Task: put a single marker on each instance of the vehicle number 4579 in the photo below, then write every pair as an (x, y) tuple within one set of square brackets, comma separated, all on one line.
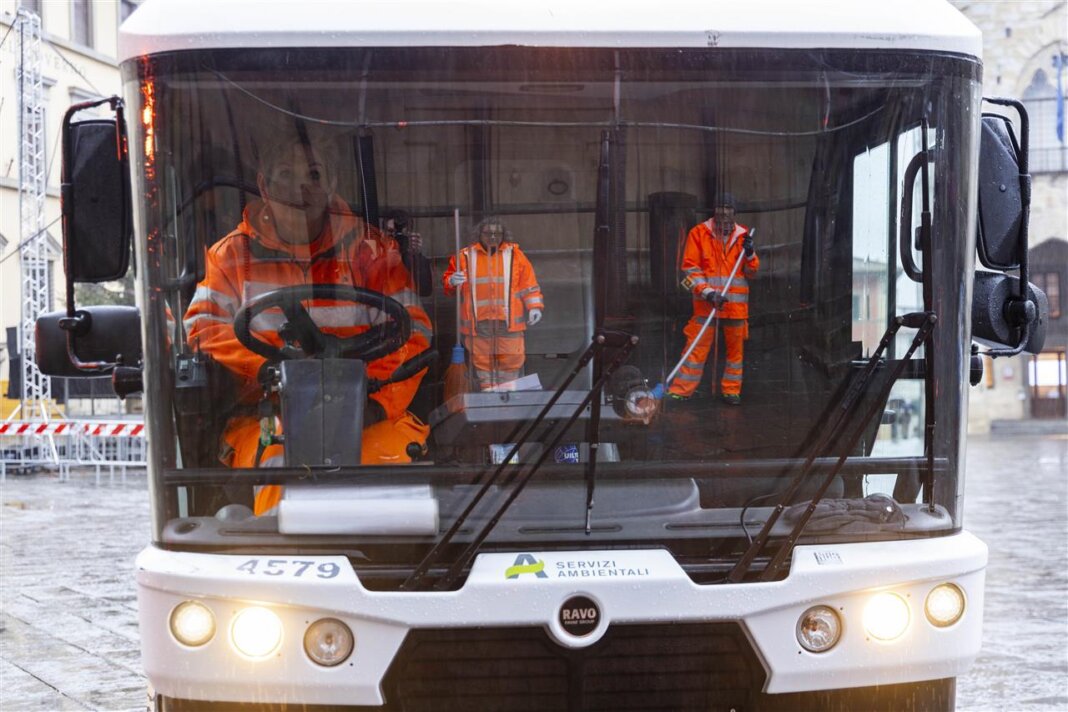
[(288, 567)]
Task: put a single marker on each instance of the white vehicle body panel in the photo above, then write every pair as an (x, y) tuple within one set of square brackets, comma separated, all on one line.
[(170, 25), (636, 586)]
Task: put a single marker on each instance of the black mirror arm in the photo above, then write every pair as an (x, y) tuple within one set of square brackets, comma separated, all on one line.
[(1020, 311)]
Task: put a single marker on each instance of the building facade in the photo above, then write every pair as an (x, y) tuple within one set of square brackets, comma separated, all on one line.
[(77, 63), (1024, 46)]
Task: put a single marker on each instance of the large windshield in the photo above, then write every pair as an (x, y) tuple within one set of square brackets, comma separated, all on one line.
[(365, 270)]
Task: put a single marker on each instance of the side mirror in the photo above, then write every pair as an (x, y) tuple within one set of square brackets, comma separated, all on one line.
[(1008, 313), (999, 319), (97, 215), (1002, 201), (104, 338)]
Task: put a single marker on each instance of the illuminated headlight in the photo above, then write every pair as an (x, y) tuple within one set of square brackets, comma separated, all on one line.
[(818, 629), (945, 605), (328, 642), (256, 632), (192, 623), (886, 617)]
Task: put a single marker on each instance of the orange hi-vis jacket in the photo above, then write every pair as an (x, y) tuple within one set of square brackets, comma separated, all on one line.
[(252, 260), (503, 284), (707, 261)]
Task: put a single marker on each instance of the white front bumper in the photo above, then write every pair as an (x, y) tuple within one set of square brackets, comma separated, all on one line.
[(629, 586)]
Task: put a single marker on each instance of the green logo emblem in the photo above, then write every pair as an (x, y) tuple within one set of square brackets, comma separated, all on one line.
[(526, 564)]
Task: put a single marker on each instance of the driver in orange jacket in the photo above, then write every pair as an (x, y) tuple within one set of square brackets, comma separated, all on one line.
[(300, 232)]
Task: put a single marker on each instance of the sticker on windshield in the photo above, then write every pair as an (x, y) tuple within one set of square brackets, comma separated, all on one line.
[(567, 453)]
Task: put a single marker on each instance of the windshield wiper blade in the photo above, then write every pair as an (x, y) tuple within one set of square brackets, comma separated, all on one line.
[(600, 340), (923, 322)]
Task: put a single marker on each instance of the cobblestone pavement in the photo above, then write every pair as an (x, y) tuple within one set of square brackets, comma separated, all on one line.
[(67, 599), (68, 609), (1016, 500)]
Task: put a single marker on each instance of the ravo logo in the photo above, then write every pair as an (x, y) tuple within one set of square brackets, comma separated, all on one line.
[(579, 616)]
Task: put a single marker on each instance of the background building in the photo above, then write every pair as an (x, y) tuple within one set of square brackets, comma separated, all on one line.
[(77, 62), (1024, 47)]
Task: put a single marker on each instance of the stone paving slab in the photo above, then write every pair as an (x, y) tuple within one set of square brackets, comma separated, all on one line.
[(68, 607)]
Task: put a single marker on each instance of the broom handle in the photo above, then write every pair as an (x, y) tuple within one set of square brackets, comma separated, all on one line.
[(456, 227)]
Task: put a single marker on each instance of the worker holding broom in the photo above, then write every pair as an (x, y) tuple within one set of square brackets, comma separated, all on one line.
[(499, 299), (717, 263)]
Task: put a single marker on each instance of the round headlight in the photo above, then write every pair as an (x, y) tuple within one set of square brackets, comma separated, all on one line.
[(945, 605), (886, 616), (818, 629), (192, 623), (328, 642), (256, 632)]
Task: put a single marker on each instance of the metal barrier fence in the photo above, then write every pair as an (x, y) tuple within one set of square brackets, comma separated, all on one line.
[(29, 446)]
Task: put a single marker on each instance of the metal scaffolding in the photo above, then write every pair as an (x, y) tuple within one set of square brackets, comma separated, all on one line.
[(34, 282)]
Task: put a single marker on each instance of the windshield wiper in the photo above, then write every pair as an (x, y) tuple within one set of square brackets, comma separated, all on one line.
[(923, 322), (624, 344)]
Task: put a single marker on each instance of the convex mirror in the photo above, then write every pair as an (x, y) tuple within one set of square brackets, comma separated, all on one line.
[(1002, 202), (97, 216), (111, 335)]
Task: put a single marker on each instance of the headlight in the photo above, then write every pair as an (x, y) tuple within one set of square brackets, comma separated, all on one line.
[(256, 632), (945, 605), (328, 642), (818, 629), (886, 616), (192, 623)]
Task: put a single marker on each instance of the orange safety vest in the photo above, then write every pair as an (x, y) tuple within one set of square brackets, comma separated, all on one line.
[(252, 260), (504, 285), (707, 261)]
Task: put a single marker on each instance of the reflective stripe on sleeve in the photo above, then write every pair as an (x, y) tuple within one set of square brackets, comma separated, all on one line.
[(738, 281), (407, 297), (420, 328), (207, 295), (199, 320)]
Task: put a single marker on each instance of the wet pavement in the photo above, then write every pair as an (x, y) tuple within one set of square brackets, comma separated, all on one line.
[(1016, 500), (68, 628)]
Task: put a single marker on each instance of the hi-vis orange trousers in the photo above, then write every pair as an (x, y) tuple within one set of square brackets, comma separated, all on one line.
[(497, 359), (735, 332)]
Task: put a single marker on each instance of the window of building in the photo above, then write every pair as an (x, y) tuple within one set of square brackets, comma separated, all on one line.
[(81, 22), (1048, 151), (1050, 283), (33, 6)]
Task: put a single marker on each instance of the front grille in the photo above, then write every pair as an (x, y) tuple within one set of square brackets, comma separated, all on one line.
[(705, 666)]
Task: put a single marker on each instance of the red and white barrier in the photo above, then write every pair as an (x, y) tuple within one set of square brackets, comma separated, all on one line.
[(106, 429), (72, 443)]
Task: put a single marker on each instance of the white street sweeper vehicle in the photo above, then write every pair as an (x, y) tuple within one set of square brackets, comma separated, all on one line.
[(572, 539)]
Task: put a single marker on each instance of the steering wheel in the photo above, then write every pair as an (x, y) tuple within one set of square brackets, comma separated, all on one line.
[(300, 328)]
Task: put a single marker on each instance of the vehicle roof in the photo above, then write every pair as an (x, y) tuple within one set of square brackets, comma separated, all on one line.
[(172, 25)]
